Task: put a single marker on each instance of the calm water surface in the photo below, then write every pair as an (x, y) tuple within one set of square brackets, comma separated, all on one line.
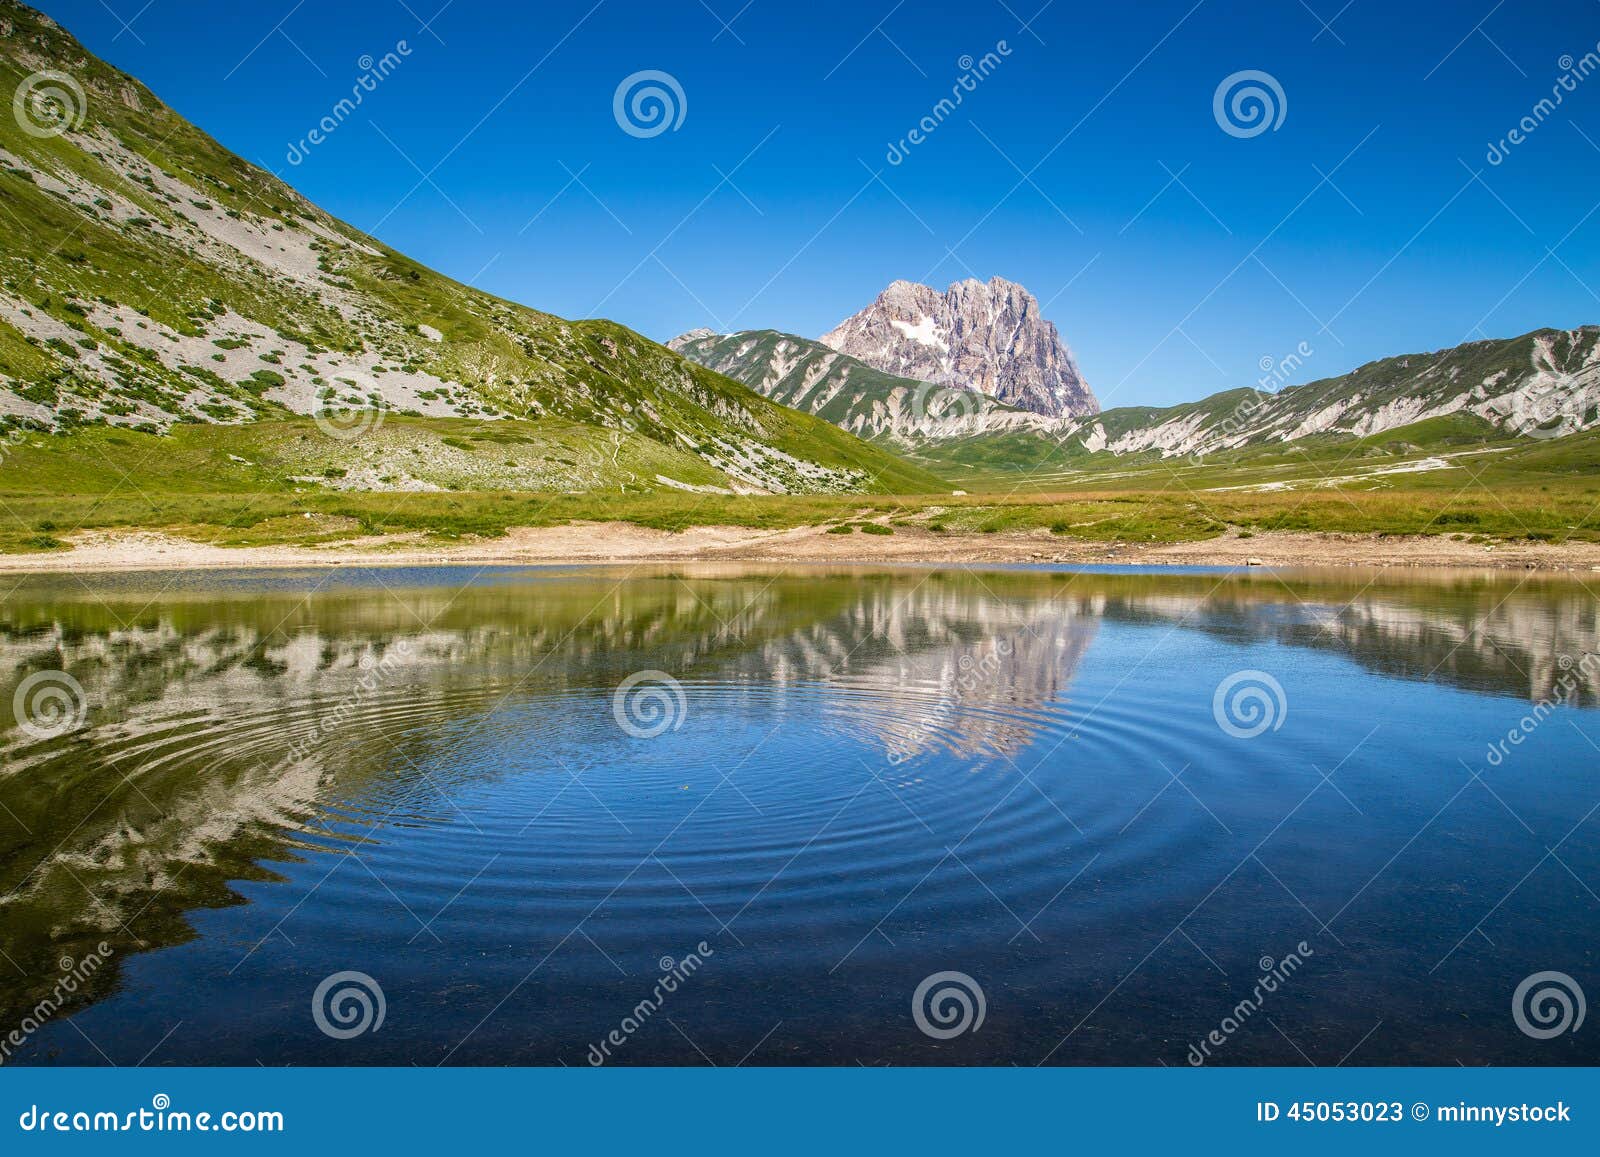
[(447, 780)]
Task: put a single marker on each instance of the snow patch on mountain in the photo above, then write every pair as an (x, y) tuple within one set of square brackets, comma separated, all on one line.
[(984, 336)]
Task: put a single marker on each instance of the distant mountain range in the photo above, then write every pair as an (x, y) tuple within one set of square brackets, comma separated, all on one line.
[(1543, 384), (150, 277)]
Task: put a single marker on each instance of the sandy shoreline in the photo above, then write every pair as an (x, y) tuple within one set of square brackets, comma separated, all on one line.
[(594, 543)]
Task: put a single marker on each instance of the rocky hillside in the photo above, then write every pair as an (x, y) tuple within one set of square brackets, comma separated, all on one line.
[(149, 277), (983, 336), (807, 375), (1543, 384)]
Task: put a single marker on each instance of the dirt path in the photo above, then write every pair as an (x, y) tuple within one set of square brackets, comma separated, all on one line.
[(623, 542)]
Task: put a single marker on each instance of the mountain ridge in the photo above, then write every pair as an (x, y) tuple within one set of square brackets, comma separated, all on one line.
[(1541, 384), (807, 375)]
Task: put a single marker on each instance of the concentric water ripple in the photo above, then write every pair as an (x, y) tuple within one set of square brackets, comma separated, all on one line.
[(853, 783)]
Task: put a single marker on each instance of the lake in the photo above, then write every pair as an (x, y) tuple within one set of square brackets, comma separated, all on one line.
[(725, 815)]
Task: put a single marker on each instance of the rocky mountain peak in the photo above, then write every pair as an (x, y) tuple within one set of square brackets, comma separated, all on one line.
[(691, 337), (985, 336)]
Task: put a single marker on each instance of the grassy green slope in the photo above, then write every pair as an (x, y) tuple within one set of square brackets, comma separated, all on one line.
[(141, 256), (272, 482)]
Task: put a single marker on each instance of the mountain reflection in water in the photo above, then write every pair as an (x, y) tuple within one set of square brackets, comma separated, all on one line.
[(868, 777)]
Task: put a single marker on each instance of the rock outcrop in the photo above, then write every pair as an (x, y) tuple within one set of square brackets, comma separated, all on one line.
[(985, 336)]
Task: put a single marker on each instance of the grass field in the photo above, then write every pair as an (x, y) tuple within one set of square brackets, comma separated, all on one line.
[(256, 484)]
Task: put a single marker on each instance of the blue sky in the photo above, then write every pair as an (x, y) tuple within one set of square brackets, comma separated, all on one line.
[(1087, 165)]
